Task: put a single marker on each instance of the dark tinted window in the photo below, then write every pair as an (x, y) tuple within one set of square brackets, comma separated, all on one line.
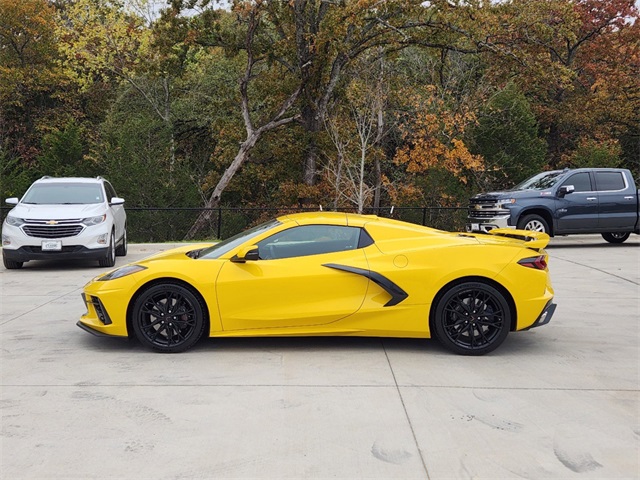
[(580, 181), (110, 191), (309, 240), (609, 181)]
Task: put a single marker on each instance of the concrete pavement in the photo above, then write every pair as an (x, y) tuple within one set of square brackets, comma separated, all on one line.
[(558, 402)]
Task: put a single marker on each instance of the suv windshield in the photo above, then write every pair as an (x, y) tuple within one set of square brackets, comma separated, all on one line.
[(219, 249), (64, 194), (542, 181)]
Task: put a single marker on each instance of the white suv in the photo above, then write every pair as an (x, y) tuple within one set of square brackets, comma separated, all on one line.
[(65, 218)]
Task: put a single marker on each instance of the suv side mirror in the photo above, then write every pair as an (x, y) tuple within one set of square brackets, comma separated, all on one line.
[(246, 253), (116, 201), (565, 189), (12, 201)]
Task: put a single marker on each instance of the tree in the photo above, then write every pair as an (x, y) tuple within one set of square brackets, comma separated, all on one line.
[(506, 136)]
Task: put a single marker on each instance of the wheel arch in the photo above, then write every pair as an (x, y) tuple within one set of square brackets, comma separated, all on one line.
[(478, 279), (543, 212), (165, 280)]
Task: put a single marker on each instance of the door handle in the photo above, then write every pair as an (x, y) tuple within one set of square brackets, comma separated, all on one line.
[(592, 198), (628, 198)]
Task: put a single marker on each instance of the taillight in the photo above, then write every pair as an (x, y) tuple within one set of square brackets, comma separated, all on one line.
[(539, 262)]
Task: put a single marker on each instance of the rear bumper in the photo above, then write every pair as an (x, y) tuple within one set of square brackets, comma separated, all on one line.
[(545, 316)]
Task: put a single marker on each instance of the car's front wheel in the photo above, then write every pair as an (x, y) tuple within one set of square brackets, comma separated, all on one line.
[(472, 318), (168, 317), (616, 237), (10, 264), (109, 260), (534, 223), (121, 250)]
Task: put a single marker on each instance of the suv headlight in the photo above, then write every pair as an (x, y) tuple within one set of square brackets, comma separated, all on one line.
[(94, 220), (14, 221)]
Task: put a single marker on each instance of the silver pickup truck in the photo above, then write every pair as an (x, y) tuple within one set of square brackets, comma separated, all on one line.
[(563, 202)]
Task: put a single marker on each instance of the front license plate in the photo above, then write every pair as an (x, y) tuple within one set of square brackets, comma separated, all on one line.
[(51, 246), (475, 227)]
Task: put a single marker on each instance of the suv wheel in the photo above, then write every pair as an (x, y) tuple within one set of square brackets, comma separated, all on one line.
[(121, 250), (110, 259), (10, 264)]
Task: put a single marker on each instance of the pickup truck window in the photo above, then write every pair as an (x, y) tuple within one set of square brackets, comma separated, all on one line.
[(610, 181), (542, 181), (580, 181)]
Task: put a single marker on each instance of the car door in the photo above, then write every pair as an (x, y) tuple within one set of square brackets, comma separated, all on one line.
[(617, 202), (290, 285), (577, 211)]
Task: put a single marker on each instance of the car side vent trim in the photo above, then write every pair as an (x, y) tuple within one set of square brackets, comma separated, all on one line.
[(397, 294)]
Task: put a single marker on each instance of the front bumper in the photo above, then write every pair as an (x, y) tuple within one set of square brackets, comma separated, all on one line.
[(485, 224), (71, 252)]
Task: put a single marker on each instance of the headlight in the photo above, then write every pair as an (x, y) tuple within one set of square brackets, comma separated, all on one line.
[(94, 220), (505, 202), (121, 272), (14, 221)]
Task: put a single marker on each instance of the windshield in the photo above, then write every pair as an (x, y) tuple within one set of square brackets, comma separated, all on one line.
[(64, 194), (542, 181), (219, 249)]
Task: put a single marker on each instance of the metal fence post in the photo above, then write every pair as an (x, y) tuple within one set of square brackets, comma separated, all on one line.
[(219, 223)]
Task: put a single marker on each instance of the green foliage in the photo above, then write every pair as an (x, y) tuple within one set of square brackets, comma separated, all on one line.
[(506, 135), (63, 153)]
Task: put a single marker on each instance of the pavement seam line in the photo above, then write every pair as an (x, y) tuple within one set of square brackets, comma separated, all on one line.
[(406, 414), (597, 269)]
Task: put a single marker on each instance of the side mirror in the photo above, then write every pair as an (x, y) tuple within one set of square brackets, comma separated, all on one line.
[(12, 201), (246, 253), (116, 201), (565, 189)]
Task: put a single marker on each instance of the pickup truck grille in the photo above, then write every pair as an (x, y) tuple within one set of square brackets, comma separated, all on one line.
[(45, 228)]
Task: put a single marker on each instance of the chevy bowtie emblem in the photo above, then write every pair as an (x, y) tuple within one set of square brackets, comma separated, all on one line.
[(52, 222)]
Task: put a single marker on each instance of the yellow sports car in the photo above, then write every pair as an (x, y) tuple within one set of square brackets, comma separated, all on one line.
[(328, 273)]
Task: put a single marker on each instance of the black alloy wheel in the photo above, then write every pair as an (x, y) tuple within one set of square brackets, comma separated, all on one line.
[(472, 318), (616, 237), (168, 318)]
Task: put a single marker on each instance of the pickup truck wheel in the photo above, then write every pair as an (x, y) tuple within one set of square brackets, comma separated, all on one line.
[(533, 222), (617, 237)]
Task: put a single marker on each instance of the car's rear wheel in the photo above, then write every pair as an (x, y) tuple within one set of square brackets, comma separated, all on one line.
[(616, 237), (534, 223), (109, 260), (472, 318), (11, 264), (168, 318), (121, 250)]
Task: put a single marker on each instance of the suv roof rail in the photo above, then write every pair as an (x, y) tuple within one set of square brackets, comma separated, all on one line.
[(45, 176)]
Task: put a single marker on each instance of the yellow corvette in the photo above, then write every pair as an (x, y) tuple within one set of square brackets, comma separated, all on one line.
[(328, 273)]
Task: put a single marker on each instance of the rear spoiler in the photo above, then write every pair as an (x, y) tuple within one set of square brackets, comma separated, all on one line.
[(535, 240)]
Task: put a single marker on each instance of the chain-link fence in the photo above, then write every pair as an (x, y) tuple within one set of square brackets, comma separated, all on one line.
[(172, 224)]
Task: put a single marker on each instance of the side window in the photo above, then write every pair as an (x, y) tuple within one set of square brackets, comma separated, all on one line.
[(109, 191), (309, 240), (580, 181), (609, 181)]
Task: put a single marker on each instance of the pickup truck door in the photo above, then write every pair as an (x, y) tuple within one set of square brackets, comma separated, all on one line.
[(617, 200), (577, 211)]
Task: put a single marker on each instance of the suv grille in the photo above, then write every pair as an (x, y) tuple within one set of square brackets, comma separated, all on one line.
[(63, 229)]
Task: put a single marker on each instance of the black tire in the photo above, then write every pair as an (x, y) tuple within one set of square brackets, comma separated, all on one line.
[(121, 250), (109, 259), (10, 264), (534, 223), (472, 318), (168, 318), (616, 237)]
